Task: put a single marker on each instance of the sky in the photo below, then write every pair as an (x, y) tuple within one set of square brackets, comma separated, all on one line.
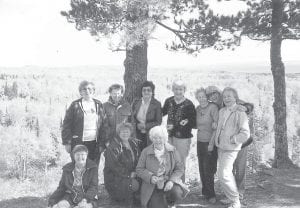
[(34, 33)]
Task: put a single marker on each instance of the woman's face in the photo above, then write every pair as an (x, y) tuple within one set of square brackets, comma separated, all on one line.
[(178, 91), (116, 95), (158, 142), (87, 92), (125, 134), (228, 98), (202, 99), (147, 92), (80, 157), (214, 97)]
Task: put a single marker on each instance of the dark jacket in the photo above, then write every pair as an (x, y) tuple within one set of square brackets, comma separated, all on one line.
[(153, 117), (65, 188), (119, 164), (116, 114), (178, 112), (72, 129)]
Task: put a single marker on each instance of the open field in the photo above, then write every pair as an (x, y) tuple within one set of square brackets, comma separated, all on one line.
[(33, 102)]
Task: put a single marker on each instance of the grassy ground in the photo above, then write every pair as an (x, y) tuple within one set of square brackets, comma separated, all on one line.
[(269, 188)]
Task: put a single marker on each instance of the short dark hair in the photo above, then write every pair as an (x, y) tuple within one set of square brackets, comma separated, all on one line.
[(148, 84), (116, 87)]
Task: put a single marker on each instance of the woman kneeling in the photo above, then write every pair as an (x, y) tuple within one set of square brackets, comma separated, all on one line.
[(78, 186), (121, 158), (160, 169)]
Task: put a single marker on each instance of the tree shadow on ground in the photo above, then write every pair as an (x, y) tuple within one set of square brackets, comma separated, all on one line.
[(24, 202), (275, 188), (281, 188)]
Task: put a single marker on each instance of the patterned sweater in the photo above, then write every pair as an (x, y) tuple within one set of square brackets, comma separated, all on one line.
[(178, 112)]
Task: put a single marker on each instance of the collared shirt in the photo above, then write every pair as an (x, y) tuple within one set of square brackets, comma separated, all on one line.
[(141, 115), (78, 176)]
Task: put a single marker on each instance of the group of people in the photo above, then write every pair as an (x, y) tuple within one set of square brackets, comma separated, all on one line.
[(144, 160)]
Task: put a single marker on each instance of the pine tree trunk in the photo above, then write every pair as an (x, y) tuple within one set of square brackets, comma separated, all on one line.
[(281, 158), (136, 63)]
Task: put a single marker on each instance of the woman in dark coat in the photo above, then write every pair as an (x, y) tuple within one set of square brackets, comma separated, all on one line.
[(84, 123), (79, 182), (121, 158), (146, 113)]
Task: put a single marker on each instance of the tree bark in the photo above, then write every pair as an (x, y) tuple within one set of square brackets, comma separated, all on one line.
[(281, 157), (135, 63)]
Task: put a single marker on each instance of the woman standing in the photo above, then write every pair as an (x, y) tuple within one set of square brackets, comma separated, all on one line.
[(181, 120), (79, 182), (121, 158), (232, 132), (117, 110), (146, 113), (160, 169), (84, 123), (207, 118)]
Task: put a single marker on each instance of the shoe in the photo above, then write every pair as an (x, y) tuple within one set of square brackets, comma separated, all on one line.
[(212, 200), (225, 201), (236, 204)]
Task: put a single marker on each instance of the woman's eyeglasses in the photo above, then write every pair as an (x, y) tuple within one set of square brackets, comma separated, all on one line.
[(147, 90), (87, 89)]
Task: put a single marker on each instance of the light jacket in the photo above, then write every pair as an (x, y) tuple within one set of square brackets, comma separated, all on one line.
[(65, 187), (235, 126), (148, 165)]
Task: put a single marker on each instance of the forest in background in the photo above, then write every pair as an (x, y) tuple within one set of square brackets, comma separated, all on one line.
[(33, 103)]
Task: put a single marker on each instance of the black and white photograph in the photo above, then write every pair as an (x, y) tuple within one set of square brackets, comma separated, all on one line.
[(149, 104)]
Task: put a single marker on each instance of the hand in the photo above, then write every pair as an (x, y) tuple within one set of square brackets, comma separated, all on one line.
[(233, 139), (154, 179), (68, 148), (133, 175), (214, 125), (184, 122), (210, 148), (170, 127), (141, 126), (168, 186), (160, 183), (241, 108), (101, 149)]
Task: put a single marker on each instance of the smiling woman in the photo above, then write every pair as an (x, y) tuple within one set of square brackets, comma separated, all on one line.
[(85, 123), (160, 169), (79, 182)]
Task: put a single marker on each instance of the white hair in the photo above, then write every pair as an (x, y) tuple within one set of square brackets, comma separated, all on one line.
[(178, 83), (158, 131)]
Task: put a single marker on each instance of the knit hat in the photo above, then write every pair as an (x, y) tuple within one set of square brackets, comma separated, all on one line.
[(212, 89), (79, 148)]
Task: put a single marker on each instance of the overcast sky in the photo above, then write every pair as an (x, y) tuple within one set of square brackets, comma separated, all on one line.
[(34, 33)]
